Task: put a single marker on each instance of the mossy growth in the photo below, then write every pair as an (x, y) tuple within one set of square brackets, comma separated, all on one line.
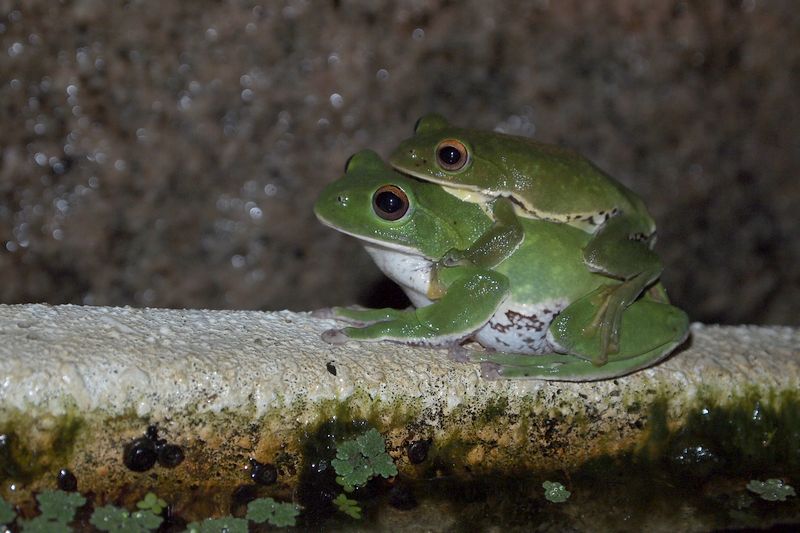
[(26, 455)]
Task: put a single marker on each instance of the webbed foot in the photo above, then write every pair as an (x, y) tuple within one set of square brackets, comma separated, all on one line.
[(334, 336)]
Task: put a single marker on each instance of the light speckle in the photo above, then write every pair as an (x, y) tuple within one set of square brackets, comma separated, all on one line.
[(336, 100)]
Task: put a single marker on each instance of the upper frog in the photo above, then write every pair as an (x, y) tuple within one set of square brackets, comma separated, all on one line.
[(545, 181), (536, 300), (515, 177)]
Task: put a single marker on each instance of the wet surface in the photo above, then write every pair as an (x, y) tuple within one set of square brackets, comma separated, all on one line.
[(169, 154)]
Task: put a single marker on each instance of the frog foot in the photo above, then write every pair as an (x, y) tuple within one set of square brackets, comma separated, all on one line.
[(454, 257), (458, 353), (334, 336), (611, 301)]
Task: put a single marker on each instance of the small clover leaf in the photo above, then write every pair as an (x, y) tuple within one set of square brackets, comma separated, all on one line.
[(772, 490), (384, 466), (228, 524), (359, 460), (268, 510), (111, 518), (58, 505), (371, 443), (152, 503), (348, 506), (7, 514), (555, 492), (40, 524)]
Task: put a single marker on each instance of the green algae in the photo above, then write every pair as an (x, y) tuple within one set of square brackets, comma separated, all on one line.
[(701, 462), (27, 453)]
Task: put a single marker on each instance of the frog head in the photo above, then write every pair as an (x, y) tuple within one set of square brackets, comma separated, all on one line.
[(448, 155), (382, 207)]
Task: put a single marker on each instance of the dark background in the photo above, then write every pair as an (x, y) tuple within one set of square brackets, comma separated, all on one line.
[(169, 153)]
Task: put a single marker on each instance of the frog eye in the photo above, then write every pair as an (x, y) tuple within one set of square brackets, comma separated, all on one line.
[(390, 202), (452, 154)]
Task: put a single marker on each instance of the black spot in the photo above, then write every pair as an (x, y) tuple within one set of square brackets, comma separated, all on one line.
[(67, 480), (140, 455), (170, 455), (331, 367), (263, 473), (417, 451)]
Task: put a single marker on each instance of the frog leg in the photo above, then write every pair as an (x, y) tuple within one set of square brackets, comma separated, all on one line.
[(469, 302), (357, 315), (620, 249), (495, 245), (651, 331)]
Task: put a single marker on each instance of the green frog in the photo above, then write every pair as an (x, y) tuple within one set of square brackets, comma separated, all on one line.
[(528, 310), (515, 177)]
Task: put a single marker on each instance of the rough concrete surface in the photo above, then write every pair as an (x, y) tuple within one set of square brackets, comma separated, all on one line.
[(152, 360), (79, 384)]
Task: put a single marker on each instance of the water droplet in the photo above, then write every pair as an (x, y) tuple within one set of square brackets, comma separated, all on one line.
[(15, 49), (255, 213), (382, 74), (238, 261), (247, 95), (418, 34), (336, 100)]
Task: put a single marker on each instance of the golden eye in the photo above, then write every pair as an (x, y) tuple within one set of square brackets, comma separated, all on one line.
[(452, 154), (390, 202)]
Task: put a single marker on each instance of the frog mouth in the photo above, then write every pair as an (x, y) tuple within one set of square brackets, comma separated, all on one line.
[(376, 242)]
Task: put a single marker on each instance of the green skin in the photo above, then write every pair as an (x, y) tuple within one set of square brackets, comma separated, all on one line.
[(548, 183), (459, 303)]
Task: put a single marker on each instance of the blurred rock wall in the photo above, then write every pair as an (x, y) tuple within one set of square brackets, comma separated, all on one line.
[(169, 153)]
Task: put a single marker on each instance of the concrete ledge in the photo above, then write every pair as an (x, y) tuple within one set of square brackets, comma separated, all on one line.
[(228, 386)]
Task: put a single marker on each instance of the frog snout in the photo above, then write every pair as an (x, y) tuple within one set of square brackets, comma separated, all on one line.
[(417, 159)]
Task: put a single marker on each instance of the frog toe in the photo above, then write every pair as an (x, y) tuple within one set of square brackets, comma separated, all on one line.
[(334, 336)]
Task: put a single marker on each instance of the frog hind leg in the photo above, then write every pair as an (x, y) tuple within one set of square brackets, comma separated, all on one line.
[(620, 249), (651, 331), (644, 326)]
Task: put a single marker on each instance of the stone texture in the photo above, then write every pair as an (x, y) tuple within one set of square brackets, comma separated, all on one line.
[(168, 154)]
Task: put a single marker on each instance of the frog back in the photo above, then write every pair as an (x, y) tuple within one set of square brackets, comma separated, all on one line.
[(549, 182)]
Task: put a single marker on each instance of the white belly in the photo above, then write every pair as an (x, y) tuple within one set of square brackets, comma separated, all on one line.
[(411, 272), (520, 328)]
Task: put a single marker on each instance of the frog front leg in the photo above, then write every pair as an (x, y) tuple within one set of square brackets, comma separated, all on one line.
[(496, 244), (468, 303), (620, 249), (358, 315)]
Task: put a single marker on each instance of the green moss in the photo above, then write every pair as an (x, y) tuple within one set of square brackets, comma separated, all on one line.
[(494, 408), (25, 455), (752, 432)]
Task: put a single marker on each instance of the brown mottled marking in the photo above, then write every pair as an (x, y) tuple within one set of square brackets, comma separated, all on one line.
[(524, 322)]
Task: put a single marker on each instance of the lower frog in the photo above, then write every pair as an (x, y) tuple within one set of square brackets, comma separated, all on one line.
[(527, 311)]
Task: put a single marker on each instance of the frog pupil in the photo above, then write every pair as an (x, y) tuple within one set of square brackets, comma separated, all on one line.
[(388, 202), (449, 155)]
